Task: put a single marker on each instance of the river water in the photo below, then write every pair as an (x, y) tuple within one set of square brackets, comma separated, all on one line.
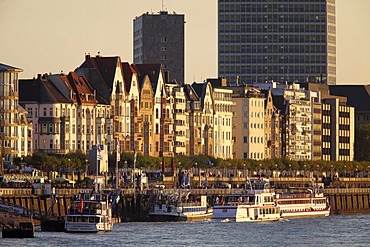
[(337, 230)]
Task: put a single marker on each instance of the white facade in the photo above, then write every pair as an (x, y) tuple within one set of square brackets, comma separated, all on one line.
[(248, 125), (180, 117), (223, 125)]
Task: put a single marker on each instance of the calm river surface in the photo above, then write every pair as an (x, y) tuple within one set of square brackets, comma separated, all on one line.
[(342, 230)]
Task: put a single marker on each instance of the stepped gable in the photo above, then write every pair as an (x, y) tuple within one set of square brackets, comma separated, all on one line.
[(40, 90), (357, 95)]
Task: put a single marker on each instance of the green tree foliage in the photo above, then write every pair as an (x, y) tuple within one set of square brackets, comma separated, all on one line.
[(362, 143)]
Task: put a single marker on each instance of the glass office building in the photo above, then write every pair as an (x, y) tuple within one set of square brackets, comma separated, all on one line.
[(279, 40)]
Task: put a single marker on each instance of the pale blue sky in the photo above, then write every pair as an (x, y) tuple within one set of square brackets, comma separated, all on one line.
[(42, 36)]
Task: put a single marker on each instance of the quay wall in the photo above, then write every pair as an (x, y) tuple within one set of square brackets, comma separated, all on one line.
[(135, 207)]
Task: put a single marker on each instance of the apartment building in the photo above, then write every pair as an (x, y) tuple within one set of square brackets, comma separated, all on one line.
[(248, 123), (15, 130)]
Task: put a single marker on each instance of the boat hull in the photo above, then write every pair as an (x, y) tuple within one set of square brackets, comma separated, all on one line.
[(87, 227), (17, 233), (306, 214), (179, 217)]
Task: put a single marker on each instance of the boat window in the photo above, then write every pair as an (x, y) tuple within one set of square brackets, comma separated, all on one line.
[(97, 220)]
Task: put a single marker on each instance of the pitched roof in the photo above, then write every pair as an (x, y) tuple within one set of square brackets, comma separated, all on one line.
[(357, 95), (151, 70), (279, 102), (190, 93), (4, 67), (82, 88), (41, 91), (128, 71), (100, 73)]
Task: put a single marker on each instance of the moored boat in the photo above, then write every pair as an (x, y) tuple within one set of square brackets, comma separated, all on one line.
[(180, 206), (256, 205), (305, 202), (89, 213)]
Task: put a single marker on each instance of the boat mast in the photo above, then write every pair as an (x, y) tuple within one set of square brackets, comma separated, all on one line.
[(118, 158), (134, 176)]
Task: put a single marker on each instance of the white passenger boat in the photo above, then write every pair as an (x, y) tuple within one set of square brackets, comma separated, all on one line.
[(307, 202), (256, 205), (89, 213), (180, 206)]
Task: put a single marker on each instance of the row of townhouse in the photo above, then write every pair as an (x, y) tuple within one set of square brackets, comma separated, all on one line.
[(106, 101)]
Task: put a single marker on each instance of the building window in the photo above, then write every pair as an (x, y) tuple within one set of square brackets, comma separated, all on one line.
[(44, 112), (164, 39), (163, 48), (245, 139)]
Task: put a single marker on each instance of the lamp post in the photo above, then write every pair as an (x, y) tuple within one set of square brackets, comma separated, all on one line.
[(368, 171), (304, 170), (69, 167), (244, 175), (290, 170), (318, 170), (345, 170)]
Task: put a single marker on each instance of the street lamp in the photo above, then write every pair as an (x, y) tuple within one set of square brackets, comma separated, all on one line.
[(69, 167), (290, 170)]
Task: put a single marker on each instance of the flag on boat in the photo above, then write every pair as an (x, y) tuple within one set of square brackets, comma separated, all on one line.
[(81, 205), (118, 151)]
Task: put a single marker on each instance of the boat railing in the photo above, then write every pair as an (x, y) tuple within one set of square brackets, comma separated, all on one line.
[(85, 211), (298, 195)]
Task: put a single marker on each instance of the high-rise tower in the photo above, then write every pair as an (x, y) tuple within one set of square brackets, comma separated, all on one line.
[(159, 39), (280, 40)]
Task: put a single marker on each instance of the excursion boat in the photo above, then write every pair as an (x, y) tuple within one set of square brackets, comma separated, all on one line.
[(305, 202), (89, 213), (181, 206), (256, 205)]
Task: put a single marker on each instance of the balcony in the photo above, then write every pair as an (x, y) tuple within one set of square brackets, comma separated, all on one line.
[(168, 121)]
